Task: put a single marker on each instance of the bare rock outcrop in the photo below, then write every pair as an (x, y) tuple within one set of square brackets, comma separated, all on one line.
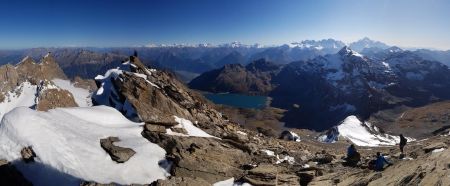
[(118, 154), (27, 154), (50, 97), (157, 96), (206, 158)]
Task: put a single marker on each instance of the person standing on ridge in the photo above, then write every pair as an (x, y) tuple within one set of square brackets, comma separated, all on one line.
[(403, 142), (353, 156)]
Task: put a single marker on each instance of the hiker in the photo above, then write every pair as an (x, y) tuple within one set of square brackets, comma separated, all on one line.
[(353, 156), (403, 141), (379, 163)]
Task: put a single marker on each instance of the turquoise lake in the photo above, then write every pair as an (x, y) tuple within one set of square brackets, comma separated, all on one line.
[(238, 100)]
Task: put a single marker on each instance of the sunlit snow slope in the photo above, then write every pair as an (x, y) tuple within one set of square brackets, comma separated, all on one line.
[(23, 95), (67, 141), (359, 133)]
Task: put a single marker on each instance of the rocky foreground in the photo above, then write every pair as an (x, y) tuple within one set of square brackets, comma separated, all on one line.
[(204, 147)]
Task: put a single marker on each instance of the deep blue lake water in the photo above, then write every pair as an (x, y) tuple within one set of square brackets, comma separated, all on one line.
[(238, 100)]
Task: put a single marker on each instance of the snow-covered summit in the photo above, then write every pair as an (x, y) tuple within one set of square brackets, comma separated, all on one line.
[(318, 44), (346, 51), (367, 43), (360, 133)]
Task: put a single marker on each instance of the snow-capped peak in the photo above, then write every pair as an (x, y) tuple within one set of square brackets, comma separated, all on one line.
[(317, 44), (346, 51), (360, 133)]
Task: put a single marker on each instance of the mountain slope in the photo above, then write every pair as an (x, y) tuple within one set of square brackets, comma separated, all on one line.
[(255, 78), (349, 83)]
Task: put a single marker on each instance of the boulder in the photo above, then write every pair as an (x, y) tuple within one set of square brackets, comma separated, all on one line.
[(269, 174), (118, 154), (27, 154), (264, 174), (54, 98), (289, 136), (323, 158)]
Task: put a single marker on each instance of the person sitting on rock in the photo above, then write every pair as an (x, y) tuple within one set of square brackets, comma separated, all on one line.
[(379, 163), (353, 155), (403, 142)]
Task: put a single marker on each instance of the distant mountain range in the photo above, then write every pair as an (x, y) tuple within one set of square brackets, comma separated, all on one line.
[(189, 61), (326, 89)]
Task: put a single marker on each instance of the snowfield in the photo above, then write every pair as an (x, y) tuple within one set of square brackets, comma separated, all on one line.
[(67, 141), (26, 98), (359, 133), (82, 96)]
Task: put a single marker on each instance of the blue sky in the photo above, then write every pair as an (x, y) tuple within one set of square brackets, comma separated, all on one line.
[(112, 23)]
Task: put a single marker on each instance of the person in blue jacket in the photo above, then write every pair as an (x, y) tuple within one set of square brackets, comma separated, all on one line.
[(379, 163)]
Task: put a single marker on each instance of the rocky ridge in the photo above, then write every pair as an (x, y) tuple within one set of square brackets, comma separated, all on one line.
[(34, 80)]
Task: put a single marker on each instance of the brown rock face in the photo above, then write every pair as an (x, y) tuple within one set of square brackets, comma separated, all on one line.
[(87, 84), (54, 98), (157, 96), (40, 74), (9, 77), (267, 174), (205, 158), (118, 154), (46, 69)]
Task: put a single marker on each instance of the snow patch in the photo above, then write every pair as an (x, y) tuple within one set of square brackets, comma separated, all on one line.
[(230, 182), (189, 127), (438, 150), (23, 95), (67, 141), (268, 152)]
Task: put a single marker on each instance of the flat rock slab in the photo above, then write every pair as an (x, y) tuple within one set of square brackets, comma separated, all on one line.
[(118, 154), (434, 146), (155, 128)]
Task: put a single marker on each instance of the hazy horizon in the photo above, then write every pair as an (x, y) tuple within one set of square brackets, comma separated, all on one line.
[(50, 23)]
